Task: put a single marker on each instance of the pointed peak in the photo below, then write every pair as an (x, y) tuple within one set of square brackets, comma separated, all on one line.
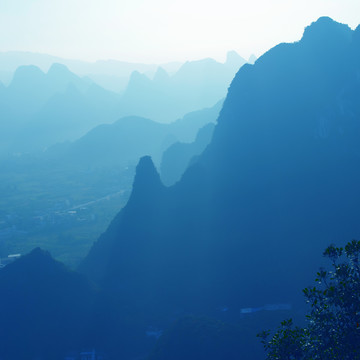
[(39, 255), (252, 59), (36, 260), (58, 69), (147, 179), (146, 167), (161, 75), (233, 57), (137, 81)]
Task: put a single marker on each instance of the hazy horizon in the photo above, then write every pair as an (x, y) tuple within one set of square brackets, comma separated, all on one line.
[(160, 31), (93, 61)]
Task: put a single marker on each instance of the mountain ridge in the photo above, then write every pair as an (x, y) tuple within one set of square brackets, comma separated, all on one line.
[(274, 187)]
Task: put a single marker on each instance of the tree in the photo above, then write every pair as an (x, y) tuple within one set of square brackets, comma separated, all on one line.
[(333, 324)]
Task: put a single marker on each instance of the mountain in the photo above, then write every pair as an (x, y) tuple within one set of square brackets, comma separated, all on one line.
[(41, 109), (247, 222), (123, 143), (113, 75), (177, 157), (38, 109), (31, 88), (66, 117), (252, 59), (165, 98), (45, 308), (63, 198)]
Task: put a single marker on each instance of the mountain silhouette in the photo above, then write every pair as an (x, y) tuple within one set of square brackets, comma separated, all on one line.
[(197, 84), (45, 308), (113, 75), (66, 117), (245, 226), (41, 109), (248, 220), (178, 156), (123, 143)]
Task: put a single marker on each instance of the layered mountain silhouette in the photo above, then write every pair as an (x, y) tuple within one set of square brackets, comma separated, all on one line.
[(197, 84), (245, 226), (39, 109), (91, 170), (249, 219), (113, 75), (178, 156), (125, 141)]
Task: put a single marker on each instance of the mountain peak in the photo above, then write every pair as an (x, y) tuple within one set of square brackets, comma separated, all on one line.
[(38, 256), (326, 29), (146, 173), (252, 59), (147, 179), (28, 74), (233, 58), (161, 75), (58, 69), (137, 81)]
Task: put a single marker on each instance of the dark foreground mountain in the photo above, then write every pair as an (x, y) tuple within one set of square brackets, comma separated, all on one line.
[(110, 74), (199, 339), (45, 309), (204, 338), (247, 222)]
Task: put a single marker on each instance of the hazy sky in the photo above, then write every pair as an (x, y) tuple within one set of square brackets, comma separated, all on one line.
[(160, 30)]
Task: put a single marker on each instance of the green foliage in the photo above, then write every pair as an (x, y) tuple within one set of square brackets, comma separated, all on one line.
[(333, 324)]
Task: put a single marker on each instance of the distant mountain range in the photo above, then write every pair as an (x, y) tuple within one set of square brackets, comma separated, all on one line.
[(111, 74), (40, 109), (196, 85), (124, 142)]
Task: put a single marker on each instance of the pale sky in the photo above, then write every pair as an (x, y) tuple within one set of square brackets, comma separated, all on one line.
[(155, 31)]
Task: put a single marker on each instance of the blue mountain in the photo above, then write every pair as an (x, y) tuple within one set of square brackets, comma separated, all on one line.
[(247, 222), (245, 226), (165, 98)]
